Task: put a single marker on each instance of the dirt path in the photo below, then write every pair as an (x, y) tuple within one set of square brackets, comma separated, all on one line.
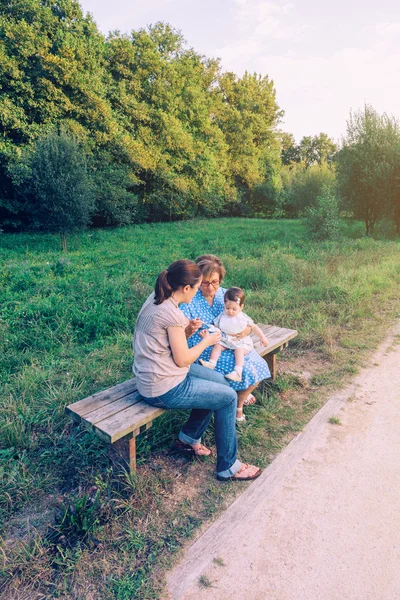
[(323, 521)]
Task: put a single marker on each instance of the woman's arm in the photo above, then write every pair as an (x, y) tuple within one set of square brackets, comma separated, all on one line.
[(184, 356), (194, 322)]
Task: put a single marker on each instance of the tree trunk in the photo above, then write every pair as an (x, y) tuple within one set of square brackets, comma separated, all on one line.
[(369, 226), (63, 242)]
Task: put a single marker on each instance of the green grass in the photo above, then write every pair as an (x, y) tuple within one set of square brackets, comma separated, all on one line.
[(66, 324), (334, 421), (205, 581)]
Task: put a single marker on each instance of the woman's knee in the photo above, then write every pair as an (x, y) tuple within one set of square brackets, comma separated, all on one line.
[(230, 395), (201, 372)]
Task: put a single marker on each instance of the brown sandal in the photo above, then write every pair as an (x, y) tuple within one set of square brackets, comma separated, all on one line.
[(243, 468), (189, 450)]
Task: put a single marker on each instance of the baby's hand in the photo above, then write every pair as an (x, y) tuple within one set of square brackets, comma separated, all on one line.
[(242, 334), (264, 341), (211, 338)]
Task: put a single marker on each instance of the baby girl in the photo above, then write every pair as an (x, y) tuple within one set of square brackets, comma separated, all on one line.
[(231, 322)]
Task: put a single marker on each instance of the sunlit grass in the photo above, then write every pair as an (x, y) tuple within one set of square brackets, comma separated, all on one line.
[(66, 324)]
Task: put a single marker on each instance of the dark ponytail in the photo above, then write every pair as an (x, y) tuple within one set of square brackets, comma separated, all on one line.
[(179, 273)]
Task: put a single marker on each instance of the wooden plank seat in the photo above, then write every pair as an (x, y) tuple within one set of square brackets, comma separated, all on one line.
[(119, 413)]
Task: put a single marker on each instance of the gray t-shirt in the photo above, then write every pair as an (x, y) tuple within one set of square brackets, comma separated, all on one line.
[(154, 366)]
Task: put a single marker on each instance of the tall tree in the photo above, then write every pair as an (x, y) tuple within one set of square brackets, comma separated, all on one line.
[(368, 166), (247, 113), (317, 149), (290, 151), (163, 92), (51, 72)]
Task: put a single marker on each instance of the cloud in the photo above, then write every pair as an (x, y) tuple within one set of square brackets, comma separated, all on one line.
[(383, 29), (266, 19), (317, 93), (259, 23)]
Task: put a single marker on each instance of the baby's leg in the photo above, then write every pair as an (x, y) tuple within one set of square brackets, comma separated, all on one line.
[(236, 374), (214, 356)]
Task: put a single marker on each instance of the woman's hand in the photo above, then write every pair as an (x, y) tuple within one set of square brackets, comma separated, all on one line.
[(242, 334), (194, 325), (211, 338)]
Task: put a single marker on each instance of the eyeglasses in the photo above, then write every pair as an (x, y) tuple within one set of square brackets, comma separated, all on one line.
[(206, 284)]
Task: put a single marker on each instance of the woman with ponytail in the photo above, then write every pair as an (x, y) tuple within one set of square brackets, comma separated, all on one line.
[(168, 378)]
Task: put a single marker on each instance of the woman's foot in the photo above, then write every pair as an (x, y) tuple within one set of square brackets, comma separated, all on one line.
[(245, 473), (200, 450), (210, 364), (250, 400), (234, 376), (240, 417), (192, 449)]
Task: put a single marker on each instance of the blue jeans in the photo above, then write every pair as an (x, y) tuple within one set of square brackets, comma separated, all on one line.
[(206, 392)]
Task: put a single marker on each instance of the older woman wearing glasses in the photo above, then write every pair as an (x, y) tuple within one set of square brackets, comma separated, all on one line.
[(206, 305)]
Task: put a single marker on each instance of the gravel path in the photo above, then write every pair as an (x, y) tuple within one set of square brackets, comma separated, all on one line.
[(323, 521)]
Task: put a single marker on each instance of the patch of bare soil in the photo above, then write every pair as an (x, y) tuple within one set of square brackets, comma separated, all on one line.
[(33, 519), (304, 365)]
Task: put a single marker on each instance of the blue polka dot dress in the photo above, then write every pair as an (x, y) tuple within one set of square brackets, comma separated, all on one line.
[(255, 368)]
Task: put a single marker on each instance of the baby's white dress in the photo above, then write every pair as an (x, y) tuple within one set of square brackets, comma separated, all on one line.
[(231, 326)]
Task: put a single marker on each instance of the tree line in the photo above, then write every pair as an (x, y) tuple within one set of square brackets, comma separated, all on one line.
[(132, 128)]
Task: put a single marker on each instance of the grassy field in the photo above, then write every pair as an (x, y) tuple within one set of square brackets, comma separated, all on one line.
[(66, 324)]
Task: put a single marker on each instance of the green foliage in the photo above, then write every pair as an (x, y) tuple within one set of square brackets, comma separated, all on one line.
[(290, 152), (54, 185), (319, 149), (247, 114), (322, 220), (114, 190), (301, 186), (167, 135), (368, 167), (76, 520), (265, 199)]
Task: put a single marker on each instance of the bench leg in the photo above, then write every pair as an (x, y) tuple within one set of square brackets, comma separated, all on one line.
[(132, 455), (127, 451), (271, 361)]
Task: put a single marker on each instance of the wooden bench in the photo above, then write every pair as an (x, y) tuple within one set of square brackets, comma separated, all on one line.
[(120, 414)]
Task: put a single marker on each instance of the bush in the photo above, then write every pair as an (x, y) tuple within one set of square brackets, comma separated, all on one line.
[(54, 186), (322, 220)]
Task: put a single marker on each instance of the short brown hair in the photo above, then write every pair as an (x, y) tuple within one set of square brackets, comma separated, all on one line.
[(234, 294), (209, 263)]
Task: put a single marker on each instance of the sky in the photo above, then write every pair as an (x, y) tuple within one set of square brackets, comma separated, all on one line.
[(325, 58)]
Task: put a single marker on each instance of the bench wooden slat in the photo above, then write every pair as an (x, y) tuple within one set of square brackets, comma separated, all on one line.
[(96, 416), (277, 331), (126, 421), (87, 405), (277, 337)]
